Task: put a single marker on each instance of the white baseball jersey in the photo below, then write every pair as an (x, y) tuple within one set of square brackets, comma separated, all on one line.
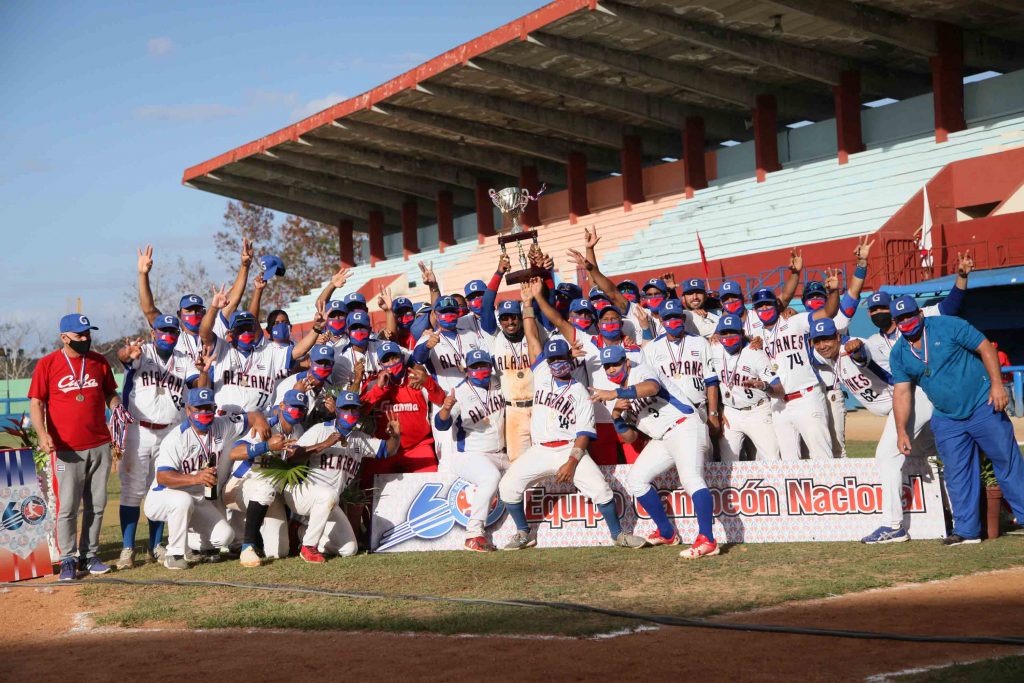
[(702, 326), (560, 412), (288, 383), (446, 361), (346, 358), (868, 381), (186, 451), (750, 365), (652, 415), (242, 383), (190, 344), (336, 466), (591, 366), (478, 418), (682, 363), (880, 344), (244, 468), (512, 366), (785, 344), (155, 388), (470, 324)]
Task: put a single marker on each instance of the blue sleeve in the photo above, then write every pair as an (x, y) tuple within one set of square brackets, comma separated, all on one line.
[(420, 324), (848, 305), (966, 334), (897, 371), (538, 360), (421, 354), (648, 334), (487, 321), (711, 381), (190, 380), (952, 303), (442, 425)]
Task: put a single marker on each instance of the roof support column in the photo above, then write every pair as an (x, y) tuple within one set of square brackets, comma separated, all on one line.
[(445, 222), (529, 180), (576, 179), (345, 244), (632, 170), (376, 221), (947, 82), (484, 210), (848, 132), (766, 141), (695, 174), (410, 221)]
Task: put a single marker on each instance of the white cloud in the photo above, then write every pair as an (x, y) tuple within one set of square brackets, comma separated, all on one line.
[(158, 47), (317, 105)]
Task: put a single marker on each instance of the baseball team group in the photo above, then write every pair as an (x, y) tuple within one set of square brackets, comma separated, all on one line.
[(234, 435)]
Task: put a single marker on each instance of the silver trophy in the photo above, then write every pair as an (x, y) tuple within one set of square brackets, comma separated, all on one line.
[(512, 201)]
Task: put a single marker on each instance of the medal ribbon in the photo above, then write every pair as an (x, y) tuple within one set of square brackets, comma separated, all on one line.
[(924, 348), (458, 351), (81, 374)]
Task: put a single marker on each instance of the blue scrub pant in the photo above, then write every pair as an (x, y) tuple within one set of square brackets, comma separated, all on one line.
[(959, 442)]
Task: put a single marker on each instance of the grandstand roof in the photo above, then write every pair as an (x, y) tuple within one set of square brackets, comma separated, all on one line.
[(577, 75)]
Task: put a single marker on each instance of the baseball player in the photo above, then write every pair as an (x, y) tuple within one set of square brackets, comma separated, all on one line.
[(334, 325), (561, 299), (480, 297), (323, 300), (957, 368), (157, 376), (315, 383), (335, 450), (475, 411), (562, 425), (730, 295), (850, 361), (676, 435), (265, 531), (746, 383), (183, 471), (698, 320), (356, 361), (629, 290)]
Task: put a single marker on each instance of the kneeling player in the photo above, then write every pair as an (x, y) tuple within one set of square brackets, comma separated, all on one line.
[(562, 426), (476, 408), (677, 435), (335, 450)]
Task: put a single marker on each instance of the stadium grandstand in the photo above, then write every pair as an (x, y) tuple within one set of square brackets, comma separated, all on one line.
[(759, 126)]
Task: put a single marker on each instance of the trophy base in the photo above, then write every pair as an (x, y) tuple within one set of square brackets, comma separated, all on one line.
[(511, 238), (516, 277)]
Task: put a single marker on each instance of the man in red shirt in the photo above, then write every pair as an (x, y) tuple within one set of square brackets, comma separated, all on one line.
[(70, 391), (405, 395)]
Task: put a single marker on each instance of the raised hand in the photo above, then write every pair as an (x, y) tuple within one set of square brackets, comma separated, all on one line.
[(259, 283), (602, 395), (964, 264), (385, 300), (133, 348), (204, 361), (247, 252), (536, 287), (427, 273), (796, 260), (525, 293), (590, 238), (433, 339), (536, 256), (394, 427), (339, 279), (145, 261), (863, 248), (831, 279), (548, 263), (449, 401), (220, 297), (757, 343), (579, 259), (642, 316), (853, 346), (670, 280), (504, 263)]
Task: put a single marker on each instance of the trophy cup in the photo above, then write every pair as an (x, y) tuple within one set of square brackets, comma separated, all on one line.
[(512, 201)]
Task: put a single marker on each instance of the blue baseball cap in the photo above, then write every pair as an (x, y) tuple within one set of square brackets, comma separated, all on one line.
[(557, 348), (903, 305), (568, 290), (474, 288), (657, 283), (510, 307), (765, 295), (628, 284), (671, 308), (401, 303), (166, 322), (241, 319), (347, 398), (190, 301), (729, 322), (357, 318), (730, 288), (582, 305), (421, 308), (822, 327), (879, 300), (354, 299), (388, 348), (200, 397), (609, 307), (272, 265), (597, 293), (321, 353), (477, 356), (612, 355), (75, 322), (814, 288), (694, 284), (448, 304), (334, 306), (294, 397)]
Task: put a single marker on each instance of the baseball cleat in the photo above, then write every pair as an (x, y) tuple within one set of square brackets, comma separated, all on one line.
[(310, 554), (701, 547), (250, 558), (624, 540), (519, 541), (957, 539), (127, 559), (655, 538), (885, 534), (479, 544), (175, 562), (68, 570)]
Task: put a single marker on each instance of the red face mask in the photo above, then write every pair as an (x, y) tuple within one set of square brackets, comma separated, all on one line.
[(580, 322), (191, 320), (610, 328), (321, 372), (815, 303), (359, 337), (293, 413), (733, 305), (673, 325), (448, 321), (630, 296), (406, 320), (395, 369), (476, 304), (653, 303), (336, 325)]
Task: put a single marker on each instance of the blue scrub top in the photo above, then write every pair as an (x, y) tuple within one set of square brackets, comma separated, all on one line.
[(954, 379)]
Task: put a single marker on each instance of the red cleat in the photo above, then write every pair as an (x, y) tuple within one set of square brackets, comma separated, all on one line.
[(701, 547), (479, 544), (655, 538), (310, 554)]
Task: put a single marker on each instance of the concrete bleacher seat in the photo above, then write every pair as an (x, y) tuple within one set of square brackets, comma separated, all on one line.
[(801, 204)]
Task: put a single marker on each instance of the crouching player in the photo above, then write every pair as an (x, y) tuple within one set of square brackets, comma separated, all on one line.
[(183, 471), (335, 450), (476, 409), (677, 436), (562, 425)]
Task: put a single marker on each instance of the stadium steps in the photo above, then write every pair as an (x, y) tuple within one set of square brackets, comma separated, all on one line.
[(801, 204)]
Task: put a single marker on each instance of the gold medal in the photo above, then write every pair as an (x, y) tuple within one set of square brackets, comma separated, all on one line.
[(520, 374), (775, 367), (80, 398), (160, 391), (726, 393)]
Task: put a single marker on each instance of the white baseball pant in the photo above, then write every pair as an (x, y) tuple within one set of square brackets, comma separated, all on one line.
[(136, 469), (184, 512), (890, 461), (543, 461), (803, 418), (684, 445), (837, 422), (754, 424), (484, 471), (444, 446), (327, 528), (274, 529), (702, 411), (517, 431)]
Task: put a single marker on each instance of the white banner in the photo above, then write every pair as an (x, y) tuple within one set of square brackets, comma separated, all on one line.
[(807, 500)]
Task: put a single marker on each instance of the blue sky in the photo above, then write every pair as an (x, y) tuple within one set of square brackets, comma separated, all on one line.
[(106, 103)]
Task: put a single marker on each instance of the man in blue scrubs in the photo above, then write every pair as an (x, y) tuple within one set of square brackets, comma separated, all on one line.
[(958, 370)]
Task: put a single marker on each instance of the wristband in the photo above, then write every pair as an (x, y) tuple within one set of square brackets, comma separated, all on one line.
[(255, 450), (627, 392), (577, 454), (621, 426), (861, 272), (528, 312)]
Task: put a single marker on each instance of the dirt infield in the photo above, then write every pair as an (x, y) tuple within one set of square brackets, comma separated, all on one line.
[(42, 638)]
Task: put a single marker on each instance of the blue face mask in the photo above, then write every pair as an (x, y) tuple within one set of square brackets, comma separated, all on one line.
[(448, 321), (346, 421), (202, 420), (768, 315), (733, 343), (674, 326), (281, 332), (562, 369), (911, 327), (165, 341)]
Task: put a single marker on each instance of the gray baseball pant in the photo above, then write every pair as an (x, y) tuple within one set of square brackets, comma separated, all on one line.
[(81, 477)]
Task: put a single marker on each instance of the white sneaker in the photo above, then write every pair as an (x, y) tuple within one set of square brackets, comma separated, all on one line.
[(127, 559), (249, 558), (158, 554)]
